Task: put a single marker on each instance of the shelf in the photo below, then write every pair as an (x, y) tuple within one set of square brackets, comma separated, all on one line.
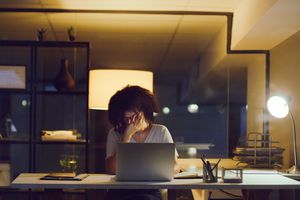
[(28, 43), (62, 93), (81, 141), (14, 141), (260, 141), (13, 91), (40, 105), (24, 141)]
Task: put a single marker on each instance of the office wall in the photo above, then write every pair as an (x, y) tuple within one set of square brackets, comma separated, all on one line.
[(256, 90), (285, 70), (213, 55)]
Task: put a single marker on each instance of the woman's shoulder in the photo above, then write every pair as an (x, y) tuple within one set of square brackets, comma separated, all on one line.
[(113, 133), (159, 128), (161, 133)]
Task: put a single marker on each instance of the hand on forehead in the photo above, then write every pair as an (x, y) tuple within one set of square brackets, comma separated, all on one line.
[(131, 116)]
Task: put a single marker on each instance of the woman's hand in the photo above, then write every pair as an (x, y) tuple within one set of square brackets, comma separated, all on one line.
[(135, 124)]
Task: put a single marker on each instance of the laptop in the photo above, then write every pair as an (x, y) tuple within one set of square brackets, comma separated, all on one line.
[(145, 161)]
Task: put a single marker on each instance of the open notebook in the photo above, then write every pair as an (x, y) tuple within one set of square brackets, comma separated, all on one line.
[(187, 175), (64, 176)]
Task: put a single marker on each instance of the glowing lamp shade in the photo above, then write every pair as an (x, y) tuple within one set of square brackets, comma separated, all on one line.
[(104, 83), (278, 107)]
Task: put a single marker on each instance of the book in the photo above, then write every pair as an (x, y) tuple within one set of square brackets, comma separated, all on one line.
[(64, 176), (187, 175)]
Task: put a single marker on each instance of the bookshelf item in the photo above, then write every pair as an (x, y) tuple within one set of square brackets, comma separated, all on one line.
[(64, 176), (258, 152), (37, 105)]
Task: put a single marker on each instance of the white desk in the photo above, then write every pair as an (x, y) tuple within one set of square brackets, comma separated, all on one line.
[(102, 181)]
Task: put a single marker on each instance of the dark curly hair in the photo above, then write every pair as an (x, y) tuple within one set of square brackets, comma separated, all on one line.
[(128, 99)]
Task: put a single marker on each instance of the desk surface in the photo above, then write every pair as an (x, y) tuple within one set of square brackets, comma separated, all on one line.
[(103, 181)]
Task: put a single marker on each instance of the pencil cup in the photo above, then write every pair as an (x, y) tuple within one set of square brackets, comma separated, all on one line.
[(210, 173)]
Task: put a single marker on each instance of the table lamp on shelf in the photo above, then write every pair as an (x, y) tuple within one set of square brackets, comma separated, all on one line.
[(279, 108), (104, 83)]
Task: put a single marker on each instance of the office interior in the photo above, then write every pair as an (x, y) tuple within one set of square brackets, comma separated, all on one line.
[(215, 63)]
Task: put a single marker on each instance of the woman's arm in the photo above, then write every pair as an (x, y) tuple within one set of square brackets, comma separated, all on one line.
[(110, 164), (110, 161), (176, 166)]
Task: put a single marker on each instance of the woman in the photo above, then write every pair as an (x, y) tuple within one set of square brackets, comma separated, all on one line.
[(131, 114)]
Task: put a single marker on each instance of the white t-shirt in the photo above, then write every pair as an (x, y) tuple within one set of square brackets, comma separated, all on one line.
[(158, 134)]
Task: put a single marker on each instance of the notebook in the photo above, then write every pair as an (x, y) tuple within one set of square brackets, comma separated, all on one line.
[(64, 176), (145, 161), (188, 175)]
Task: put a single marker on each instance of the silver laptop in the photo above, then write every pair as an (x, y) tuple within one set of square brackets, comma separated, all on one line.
[(145, 161)]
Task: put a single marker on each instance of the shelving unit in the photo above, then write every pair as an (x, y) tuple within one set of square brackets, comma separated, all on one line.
[(257, 152), (41, 107)]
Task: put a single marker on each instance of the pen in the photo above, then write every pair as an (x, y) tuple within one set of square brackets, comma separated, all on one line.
[(209, 171), (203, 161), (216, 165)]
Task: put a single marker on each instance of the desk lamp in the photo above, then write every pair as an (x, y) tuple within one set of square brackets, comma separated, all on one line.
[(104, 83), (279, 108)]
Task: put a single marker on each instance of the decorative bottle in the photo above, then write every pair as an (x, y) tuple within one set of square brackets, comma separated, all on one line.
[(64, 80)]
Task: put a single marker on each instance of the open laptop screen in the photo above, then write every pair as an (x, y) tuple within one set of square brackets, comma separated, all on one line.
[(145, 161)]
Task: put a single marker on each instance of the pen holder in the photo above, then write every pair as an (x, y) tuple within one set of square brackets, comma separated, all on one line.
[(210, 173)]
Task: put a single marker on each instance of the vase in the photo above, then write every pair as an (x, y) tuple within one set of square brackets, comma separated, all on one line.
[(64, 80)]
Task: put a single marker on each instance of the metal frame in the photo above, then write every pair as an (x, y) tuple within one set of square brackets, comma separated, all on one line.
[(32, 91)]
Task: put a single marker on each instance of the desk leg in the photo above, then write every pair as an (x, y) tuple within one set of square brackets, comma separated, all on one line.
[(200, 194)]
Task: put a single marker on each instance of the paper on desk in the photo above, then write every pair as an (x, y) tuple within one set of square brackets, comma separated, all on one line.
[(259, 171), (188, 174)]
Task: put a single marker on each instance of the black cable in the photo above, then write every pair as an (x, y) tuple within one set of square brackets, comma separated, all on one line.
[(230, 194), (209, 195)]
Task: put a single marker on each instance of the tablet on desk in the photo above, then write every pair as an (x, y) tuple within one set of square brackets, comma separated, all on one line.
[(64, 176)]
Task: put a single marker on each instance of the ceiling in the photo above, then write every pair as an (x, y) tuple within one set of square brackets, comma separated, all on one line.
[(170, 45), (187, 5)]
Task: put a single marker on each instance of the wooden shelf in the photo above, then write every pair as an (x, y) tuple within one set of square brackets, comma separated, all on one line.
[(62, 93), (26, 141), (81, 141)]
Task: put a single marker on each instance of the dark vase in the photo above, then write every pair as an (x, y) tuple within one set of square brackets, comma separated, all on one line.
[(64, 80)]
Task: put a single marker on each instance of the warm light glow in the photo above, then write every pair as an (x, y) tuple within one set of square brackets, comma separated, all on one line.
[(103, 83), (192, 151), (192, 168), (278, 106), (194, 5), (193, 108), (166, 110)]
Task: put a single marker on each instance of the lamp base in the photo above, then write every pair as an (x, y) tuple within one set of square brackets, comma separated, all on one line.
[(294, 170)]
